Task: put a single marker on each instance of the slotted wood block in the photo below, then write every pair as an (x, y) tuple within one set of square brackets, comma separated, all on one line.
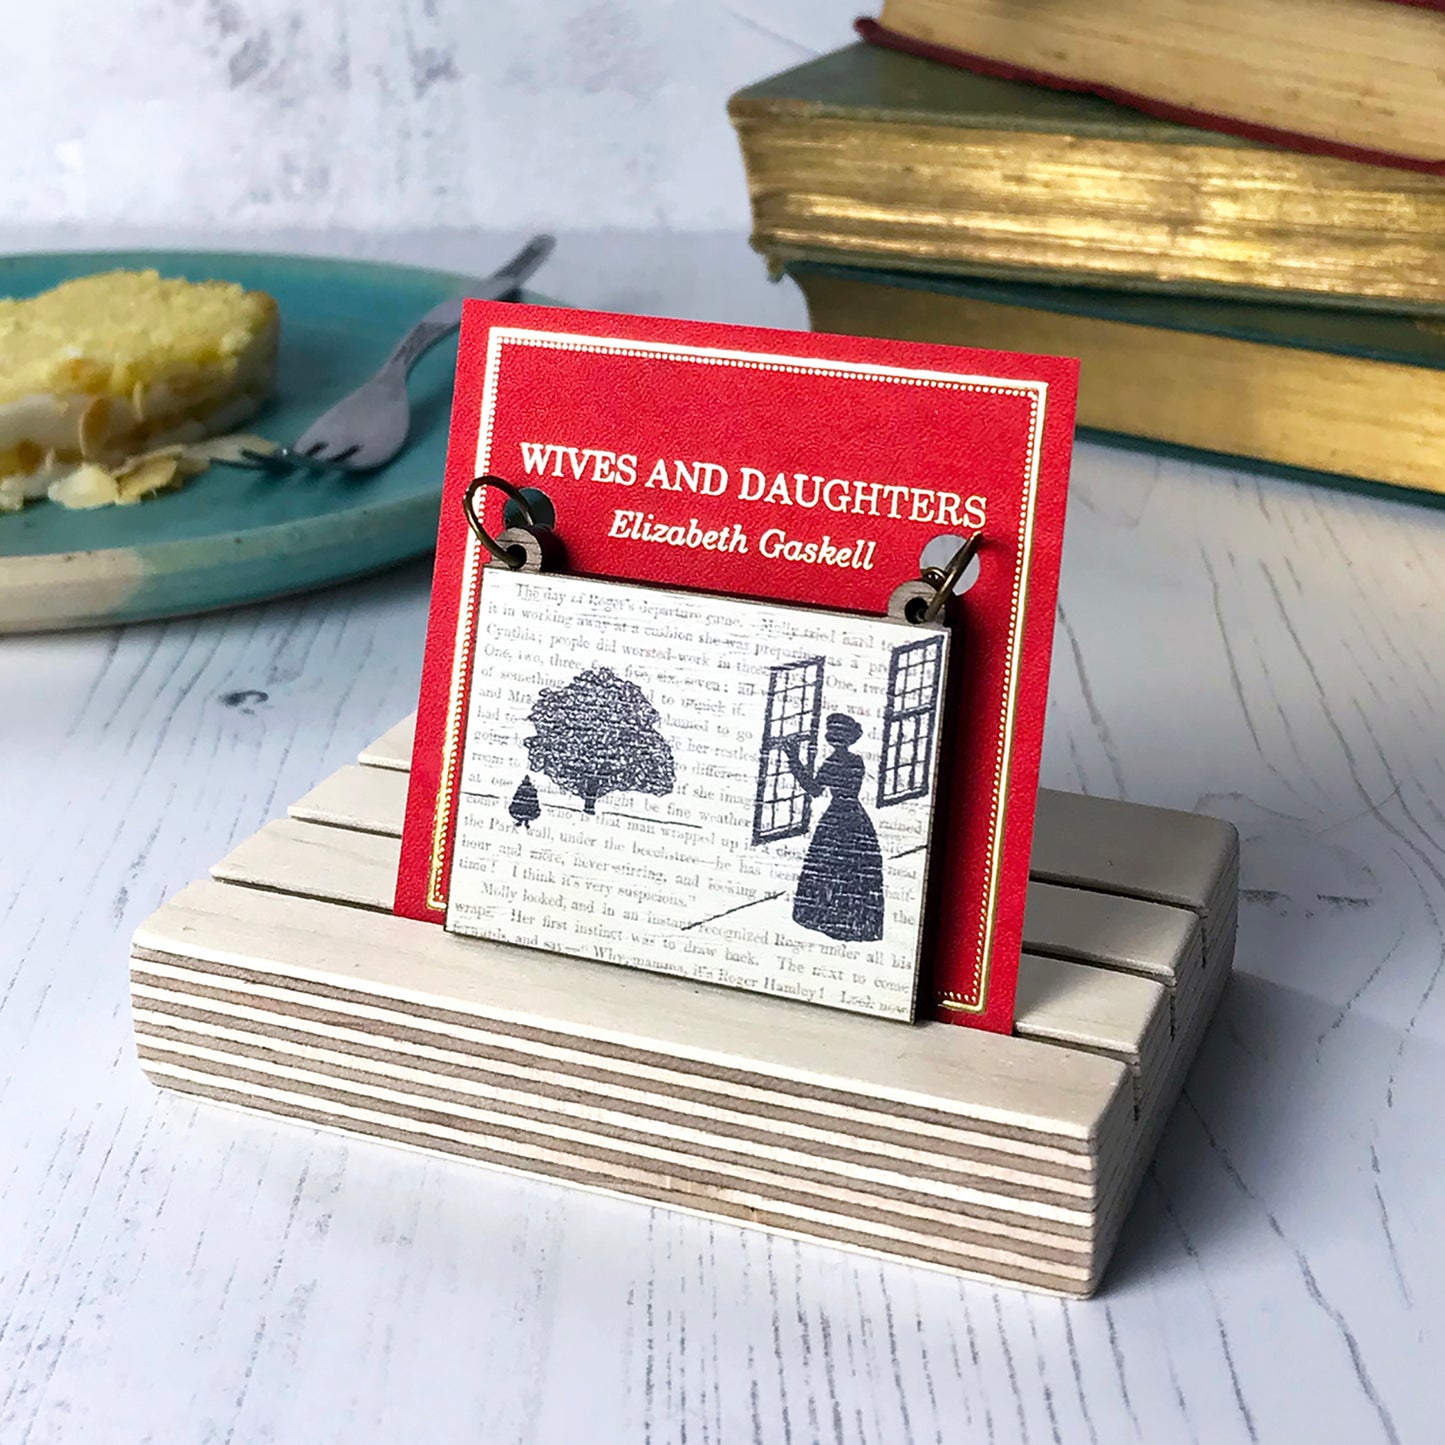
[(284, 984)]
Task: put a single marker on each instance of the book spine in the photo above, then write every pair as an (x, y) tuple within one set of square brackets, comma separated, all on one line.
[(876, 34)]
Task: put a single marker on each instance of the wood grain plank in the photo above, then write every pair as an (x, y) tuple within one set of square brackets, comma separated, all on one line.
[(1104, 1010), (181, 985), (338, 864), (1013, 1083), (354, 1117), (826, 1120), (366, 800), (392, 749), (579, 1126), (1160, 941), (1140, 852), (1156, 940), (1058, 1002)]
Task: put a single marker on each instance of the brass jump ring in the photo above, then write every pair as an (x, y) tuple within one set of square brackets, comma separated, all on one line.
[(944, 582), (502, 554)]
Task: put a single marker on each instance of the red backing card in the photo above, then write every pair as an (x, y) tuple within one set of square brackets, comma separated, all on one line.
[(797, 468)]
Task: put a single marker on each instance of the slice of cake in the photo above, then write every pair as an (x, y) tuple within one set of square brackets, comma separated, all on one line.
[(104, 379)]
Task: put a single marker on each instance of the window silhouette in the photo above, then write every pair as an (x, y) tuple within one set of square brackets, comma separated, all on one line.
[(915, 675), (781, 808)]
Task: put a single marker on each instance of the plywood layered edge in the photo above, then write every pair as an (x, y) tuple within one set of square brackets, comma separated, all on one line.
[(284, 985)]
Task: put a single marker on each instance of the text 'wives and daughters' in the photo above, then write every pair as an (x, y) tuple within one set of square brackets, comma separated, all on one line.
[(809, 491)]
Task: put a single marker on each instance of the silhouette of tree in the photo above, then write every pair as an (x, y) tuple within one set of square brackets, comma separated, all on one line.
[(525, 807), (598, 735)]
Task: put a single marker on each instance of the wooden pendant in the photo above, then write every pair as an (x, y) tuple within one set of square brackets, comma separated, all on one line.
[(728, 791)]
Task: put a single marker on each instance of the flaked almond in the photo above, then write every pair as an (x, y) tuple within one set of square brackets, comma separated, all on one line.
[(187, 464), (86, 487), (151, 476), (172, 449)]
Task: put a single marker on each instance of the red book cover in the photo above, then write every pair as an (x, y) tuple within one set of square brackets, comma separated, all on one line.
[(876, 34), (789, 467)]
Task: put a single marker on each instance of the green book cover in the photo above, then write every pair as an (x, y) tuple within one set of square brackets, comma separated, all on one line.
[(1395, 446), (1404, 340), (864, 82), (873, 158)]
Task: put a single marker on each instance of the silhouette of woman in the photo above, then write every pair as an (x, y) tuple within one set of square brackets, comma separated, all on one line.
[(840, 889)]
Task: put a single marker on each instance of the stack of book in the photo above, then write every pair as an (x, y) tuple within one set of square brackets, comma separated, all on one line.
[(1232, 211)]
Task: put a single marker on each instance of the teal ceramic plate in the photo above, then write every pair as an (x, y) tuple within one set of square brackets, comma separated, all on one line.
[(232, 536)]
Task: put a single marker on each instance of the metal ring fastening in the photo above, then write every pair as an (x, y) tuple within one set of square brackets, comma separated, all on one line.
[(502, 554), (945, 581)]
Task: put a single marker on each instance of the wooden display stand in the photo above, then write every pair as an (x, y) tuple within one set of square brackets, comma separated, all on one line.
[(284, 984)]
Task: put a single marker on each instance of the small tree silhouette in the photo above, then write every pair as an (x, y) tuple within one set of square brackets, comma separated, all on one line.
[(598, 735), (525, 807)]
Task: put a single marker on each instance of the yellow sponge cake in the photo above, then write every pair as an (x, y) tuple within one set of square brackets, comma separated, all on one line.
[(103, 378)]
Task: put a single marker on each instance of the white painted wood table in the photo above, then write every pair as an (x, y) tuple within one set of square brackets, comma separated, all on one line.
[(171, 1272)]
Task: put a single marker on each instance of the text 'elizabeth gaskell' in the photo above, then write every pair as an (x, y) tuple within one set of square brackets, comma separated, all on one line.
[(630, 526)]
